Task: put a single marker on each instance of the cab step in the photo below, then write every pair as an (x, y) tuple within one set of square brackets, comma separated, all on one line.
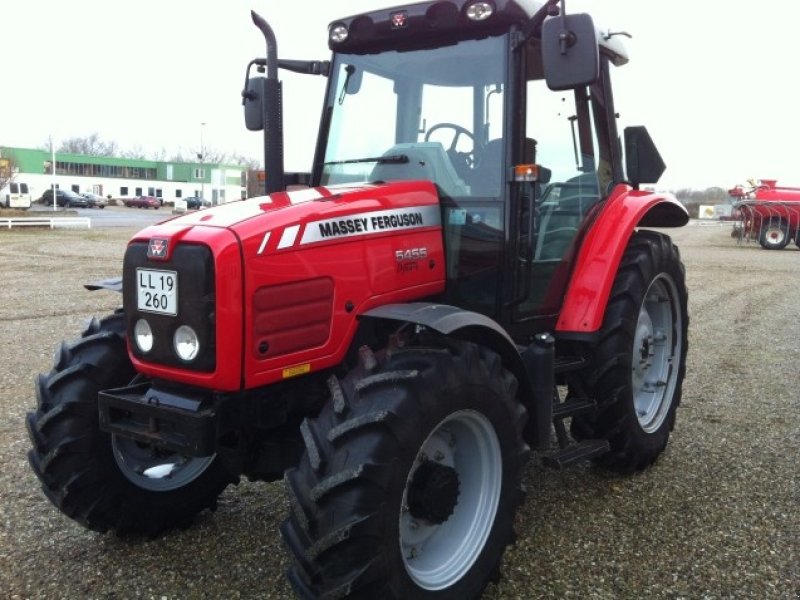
[(584, 450), (564, 364), (572, 407)]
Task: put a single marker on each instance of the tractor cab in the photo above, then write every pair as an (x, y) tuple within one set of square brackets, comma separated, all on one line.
[(459, 93)]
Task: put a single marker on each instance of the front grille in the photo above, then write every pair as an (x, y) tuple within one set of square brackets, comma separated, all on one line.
[(196, 304)]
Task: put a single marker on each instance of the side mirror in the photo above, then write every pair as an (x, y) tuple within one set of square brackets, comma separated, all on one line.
[(254, 97), (643, 163), (570, 54)]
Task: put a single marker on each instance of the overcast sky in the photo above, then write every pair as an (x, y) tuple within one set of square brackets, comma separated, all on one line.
[(713, 80)]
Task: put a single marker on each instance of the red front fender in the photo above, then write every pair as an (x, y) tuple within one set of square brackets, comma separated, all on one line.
[(600, 254)]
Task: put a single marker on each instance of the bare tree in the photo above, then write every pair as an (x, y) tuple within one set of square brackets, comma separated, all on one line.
[(8, 168), (245, 161), (135, 153), (90, 145), (93, 145)]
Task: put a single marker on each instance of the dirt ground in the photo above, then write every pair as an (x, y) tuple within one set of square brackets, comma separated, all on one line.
[(716, 517)]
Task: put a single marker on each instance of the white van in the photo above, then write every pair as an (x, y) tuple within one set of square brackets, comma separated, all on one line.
[(16, 195)]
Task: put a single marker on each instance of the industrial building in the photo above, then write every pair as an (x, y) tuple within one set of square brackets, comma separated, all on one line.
[(122, 178)]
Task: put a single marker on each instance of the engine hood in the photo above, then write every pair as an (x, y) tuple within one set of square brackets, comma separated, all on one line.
[(291, 273), (310, 216)]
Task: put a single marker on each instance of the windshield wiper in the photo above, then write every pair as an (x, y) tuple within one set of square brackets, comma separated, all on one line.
[(388, 159)]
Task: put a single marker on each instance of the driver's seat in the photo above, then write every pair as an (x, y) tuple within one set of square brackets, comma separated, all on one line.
[(487, 176), (426, 161)]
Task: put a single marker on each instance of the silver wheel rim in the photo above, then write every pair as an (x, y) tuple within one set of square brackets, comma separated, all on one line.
[(156, 470), (775, 235), (437, 556), (656, 353)]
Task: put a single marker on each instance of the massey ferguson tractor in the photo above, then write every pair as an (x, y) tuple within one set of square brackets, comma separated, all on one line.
[(768, 213), (467, 278)]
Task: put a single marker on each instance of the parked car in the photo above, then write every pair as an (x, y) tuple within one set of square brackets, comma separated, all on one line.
[(196, 202), (95, 201), (143, 202), (65, 198)]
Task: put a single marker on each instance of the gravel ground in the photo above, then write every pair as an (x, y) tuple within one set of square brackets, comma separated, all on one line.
[(716, 517)]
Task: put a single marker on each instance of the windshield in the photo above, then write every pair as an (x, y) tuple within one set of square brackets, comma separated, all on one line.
[(433, 114)]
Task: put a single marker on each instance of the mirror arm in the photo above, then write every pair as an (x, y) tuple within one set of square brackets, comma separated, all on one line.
[(534, 24), (245, 94), (306, 67)]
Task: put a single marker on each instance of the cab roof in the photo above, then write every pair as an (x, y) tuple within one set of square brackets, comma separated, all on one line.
[(438, 22)]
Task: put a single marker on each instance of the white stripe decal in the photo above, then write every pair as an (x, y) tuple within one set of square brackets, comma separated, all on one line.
[(379, 221), (300, 196), (263, 243), (289, 236)]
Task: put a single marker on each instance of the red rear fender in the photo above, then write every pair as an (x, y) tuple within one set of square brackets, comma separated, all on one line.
[(600, 254)]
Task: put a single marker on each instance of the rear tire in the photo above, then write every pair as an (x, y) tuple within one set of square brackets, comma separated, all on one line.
[(774, 234), (410, 478), (102, 481), (640, 361)]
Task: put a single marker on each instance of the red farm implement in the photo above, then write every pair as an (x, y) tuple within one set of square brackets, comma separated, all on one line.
[(767, 213)]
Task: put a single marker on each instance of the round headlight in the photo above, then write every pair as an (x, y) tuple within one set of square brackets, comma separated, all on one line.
[(339, 33), (143, 335), (480, 11), (187, 345)]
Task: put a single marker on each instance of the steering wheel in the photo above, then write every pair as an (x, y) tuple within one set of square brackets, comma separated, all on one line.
[(463, 162)]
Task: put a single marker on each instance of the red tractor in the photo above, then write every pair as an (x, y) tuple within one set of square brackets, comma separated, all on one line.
[(767, 212), (465, 279)]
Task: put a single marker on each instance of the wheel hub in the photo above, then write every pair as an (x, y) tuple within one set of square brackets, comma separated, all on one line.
[(655, 347), (450, 500), (433, 492)]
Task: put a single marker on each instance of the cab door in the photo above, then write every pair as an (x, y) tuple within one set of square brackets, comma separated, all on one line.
[(571, 139)]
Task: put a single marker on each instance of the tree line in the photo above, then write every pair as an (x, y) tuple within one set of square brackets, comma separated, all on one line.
[(94, 145)]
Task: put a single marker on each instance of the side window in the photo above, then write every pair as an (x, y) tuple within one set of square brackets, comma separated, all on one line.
[(559, 125), (560, 138)]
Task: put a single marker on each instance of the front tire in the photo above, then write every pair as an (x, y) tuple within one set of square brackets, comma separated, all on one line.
[(103, 481), (640, 361), (410, 478)]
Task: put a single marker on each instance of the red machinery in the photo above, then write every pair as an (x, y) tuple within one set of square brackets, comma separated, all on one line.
[(464, 280), (767, 212)]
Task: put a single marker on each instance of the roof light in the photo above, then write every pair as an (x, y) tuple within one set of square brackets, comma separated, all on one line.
[(480, 11), (339, 33)]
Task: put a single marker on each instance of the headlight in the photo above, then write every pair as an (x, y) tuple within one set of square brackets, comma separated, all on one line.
[(186, 343), (143, 335)]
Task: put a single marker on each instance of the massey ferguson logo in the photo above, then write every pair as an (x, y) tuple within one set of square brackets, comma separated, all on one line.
[(157, 248), (399, 20)]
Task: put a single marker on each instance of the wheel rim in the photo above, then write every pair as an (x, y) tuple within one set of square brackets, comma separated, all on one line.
[(154, 469), (775, 235), (656, 353), (438, 555)]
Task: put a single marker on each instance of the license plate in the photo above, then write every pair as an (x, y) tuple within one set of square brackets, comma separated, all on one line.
[(157, 291)]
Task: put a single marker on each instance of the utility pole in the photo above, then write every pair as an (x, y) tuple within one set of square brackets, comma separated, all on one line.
[(201, 156), (53, 163)]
